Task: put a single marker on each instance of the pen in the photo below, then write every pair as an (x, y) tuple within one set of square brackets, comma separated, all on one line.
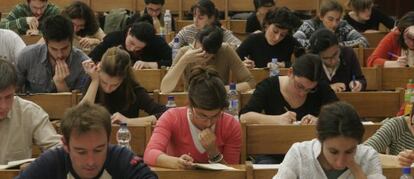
[(353, 80), (393, 55)]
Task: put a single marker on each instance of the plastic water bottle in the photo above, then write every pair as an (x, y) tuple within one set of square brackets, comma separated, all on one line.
[(406, 173), (171, 102), (175, 47), (273, 68), (233, 97), (123, 136), (167, 22)]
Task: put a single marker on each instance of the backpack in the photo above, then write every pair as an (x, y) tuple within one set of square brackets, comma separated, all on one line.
[(116, 20)]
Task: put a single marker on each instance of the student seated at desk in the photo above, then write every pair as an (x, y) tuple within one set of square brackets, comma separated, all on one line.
[(22, 123), (86, 152), (336, 152), (112, 85), (153, 9), (204, 14), (146, 49), (208, 50), (275, 42), (330, 18), (396, 49), (11, 45), (340, 65), (255, 20), (199, 133), (396, 139)]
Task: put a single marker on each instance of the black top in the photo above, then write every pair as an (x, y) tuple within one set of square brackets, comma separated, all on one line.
[(115, 102), (161, 18), (348, 66), (267, 98), (120, 163), (253, 23), (377, 17), (156, 50), (257, 49)]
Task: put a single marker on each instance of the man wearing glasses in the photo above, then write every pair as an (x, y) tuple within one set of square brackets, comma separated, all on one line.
[(26, 18), (153, 9)]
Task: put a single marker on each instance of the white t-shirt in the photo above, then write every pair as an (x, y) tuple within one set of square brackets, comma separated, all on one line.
[(301, 161), (10, 45)]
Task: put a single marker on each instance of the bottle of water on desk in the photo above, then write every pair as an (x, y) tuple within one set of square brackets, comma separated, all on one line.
[(171, 102), (273, 68), (175, 47), (406, 173), (167, 22), (233, 97), (123, 136)]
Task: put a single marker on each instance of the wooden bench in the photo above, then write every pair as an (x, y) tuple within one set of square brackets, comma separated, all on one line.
[(187, 174), (107, 5), (277, 139), (30, 39), (374, 38), (150, 79), (180, 98)]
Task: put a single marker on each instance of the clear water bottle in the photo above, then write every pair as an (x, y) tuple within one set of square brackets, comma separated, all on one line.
[(273, 68), (171, 102), (167, 22), (233, 97), (123, 136), (175, 47), (406, 173)]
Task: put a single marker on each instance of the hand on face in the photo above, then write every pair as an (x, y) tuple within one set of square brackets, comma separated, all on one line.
[(61, 71), (406, 158), (355, 86), (91, 69), (118, 118), (208, 139), (184, 162), (338, 87)]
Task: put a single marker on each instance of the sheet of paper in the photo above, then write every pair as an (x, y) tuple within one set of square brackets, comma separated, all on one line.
[(215, 166), (16, 163), (266, 166)]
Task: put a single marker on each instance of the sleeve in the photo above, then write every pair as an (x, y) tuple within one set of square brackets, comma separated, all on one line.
[(374, 167), (303, 33), (48, 165), (232, 147), (384, 19), (230, 38), (21, 69), (16, 20), (387, 44), (148, 104), (384, 136), (289, 168), (100, 34), (125, 164), (257, 101), (160, 138), (327, 94), (108, 42), (165, 54), (353, 37), (44, 135), (238, 69), (244, 49), (250, 24), (18, 46), (181, 37), (356, 69)]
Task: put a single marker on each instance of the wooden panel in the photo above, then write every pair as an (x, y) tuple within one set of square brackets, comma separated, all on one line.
[(7, 5), (308, 5), (376, 104), (150, 79), (107, 5), (396, 77), (191, 174), (373, 77), (374, 38), (220, 4), (241, 5), (179, 97), (238, 26), (366, 52), (30, 39), (9, 174), (140, 135), (55, 104)]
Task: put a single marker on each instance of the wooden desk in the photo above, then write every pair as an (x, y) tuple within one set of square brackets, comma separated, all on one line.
[(164, 173), (8, 174), (140, 137)]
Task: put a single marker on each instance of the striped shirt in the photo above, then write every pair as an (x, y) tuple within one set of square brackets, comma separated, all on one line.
[(347, 35), (16, 20), (188, 33), (394, 134)]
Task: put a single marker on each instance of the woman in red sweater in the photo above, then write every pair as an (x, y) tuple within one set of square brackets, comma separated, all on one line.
[(199, 133), (396, 49)]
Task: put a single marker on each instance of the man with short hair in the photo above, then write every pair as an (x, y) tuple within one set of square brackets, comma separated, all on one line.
[(86, 152), (154, 8), (147, 50), (54, 66), (10, 45), (26, 18), (22, 123)]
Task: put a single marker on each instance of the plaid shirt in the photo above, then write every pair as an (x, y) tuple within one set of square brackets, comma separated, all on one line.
[(16, 20)]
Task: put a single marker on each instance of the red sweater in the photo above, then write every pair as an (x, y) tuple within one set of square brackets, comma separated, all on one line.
[(388, 44), (172, 136)]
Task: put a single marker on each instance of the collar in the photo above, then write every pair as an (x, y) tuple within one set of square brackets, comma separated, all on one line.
[(316, 148), (330, 73)]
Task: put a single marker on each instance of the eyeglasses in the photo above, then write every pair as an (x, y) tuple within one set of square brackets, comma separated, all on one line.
[(202, 116), (303, 88)]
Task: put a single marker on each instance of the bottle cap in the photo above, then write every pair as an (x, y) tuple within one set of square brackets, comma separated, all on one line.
[(274, 60), (170, 98), (167, 11), (123, 124), (406, 170), (232, 86), (176, 40)]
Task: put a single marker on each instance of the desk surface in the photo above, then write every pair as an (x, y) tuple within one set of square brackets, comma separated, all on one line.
[(164, 173)]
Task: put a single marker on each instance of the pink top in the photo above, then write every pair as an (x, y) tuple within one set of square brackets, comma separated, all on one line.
[(172, 136), (388, 44)]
